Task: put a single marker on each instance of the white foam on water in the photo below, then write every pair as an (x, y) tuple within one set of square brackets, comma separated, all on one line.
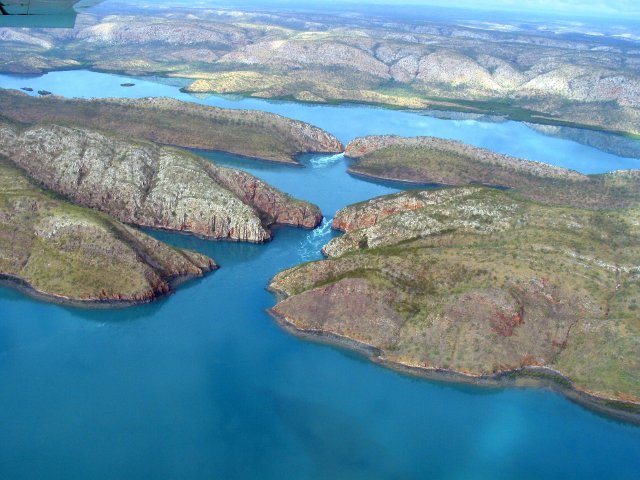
[(309, 248), (322, 161)]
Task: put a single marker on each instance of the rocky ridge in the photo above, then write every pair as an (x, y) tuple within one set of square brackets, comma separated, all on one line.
[(411, 215), (428, 160), (482, 283), (493, 163), (148, 185), (70, 254), (163, 120)]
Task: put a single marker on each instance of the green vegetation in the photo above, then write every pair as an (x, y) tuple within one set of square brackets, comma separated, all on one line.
[(431, 160), (75, 254), (481, 281), (244, 132)]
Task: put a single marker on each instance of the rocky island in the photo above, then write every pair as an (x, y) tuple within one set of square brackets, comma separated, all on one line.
[(477, 284), (429, 160), (144, 184), (69, 254), (167, 121)]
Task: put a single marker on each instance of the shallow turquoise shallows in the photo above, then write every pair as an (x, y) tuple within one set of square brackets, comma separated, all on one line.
[(204, 385)]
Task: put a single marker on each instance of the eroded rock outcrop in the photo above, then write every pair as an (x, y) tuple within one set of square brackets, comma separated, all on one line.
[(152, 186), (73, 254), (274, 206), (481, 283)]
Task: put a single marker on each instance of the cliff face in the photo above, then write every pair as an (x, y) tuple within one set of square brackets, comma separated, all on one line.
[(408, 215), (480, 282), (414, 215), (448, 162), (245, 132), (274, 206), (74, 254), (147, 185)]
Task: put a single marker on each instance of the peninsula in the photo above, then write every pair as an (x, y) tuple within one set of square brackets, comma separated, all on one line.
[(429, 160), (68, 254), (147, 185), (167, 121), (477, 284), (538, 278)]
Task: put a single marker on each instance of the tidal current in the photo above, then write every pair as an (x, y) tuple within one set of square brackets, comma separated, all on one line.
[(204, 385)]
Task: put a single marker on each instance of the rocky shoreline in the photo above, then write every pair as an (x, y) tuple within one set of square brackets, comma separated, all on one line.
[(61, 252), (56, 180), (144, 184), (21, 285), (479, 285), (167, 121), (527, 377)]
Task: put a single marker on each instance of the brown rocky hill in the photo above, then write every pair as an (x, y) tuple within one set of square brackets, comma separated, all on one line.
[(482, 285), (147, 185), (65, 253), (163, 120)]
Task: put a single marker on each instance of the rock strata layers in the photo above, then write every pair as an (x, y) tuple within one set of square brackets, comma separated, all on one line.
[(72, 254), (482, 283), (152, 186)]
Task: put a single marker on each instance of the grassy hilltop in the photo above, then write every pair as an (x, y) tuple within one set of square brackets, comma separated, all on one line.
[(480, 282), (73, 254)]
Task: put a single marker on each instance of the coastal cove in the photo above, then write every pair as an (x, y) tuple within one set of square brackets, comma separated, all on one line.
[(204, 384)]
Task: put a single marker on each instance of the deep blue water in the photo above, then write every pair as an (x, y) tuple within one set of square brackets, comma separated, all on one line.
[(203, 384)]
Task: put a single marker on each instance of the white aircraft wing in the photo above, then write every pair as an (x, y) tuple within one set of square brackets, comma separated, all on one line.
[(41, 13)]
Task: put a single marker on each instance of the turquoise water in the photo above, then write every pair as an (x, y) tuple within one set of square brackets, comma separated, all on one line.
[(348, 122), (204, 385)]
